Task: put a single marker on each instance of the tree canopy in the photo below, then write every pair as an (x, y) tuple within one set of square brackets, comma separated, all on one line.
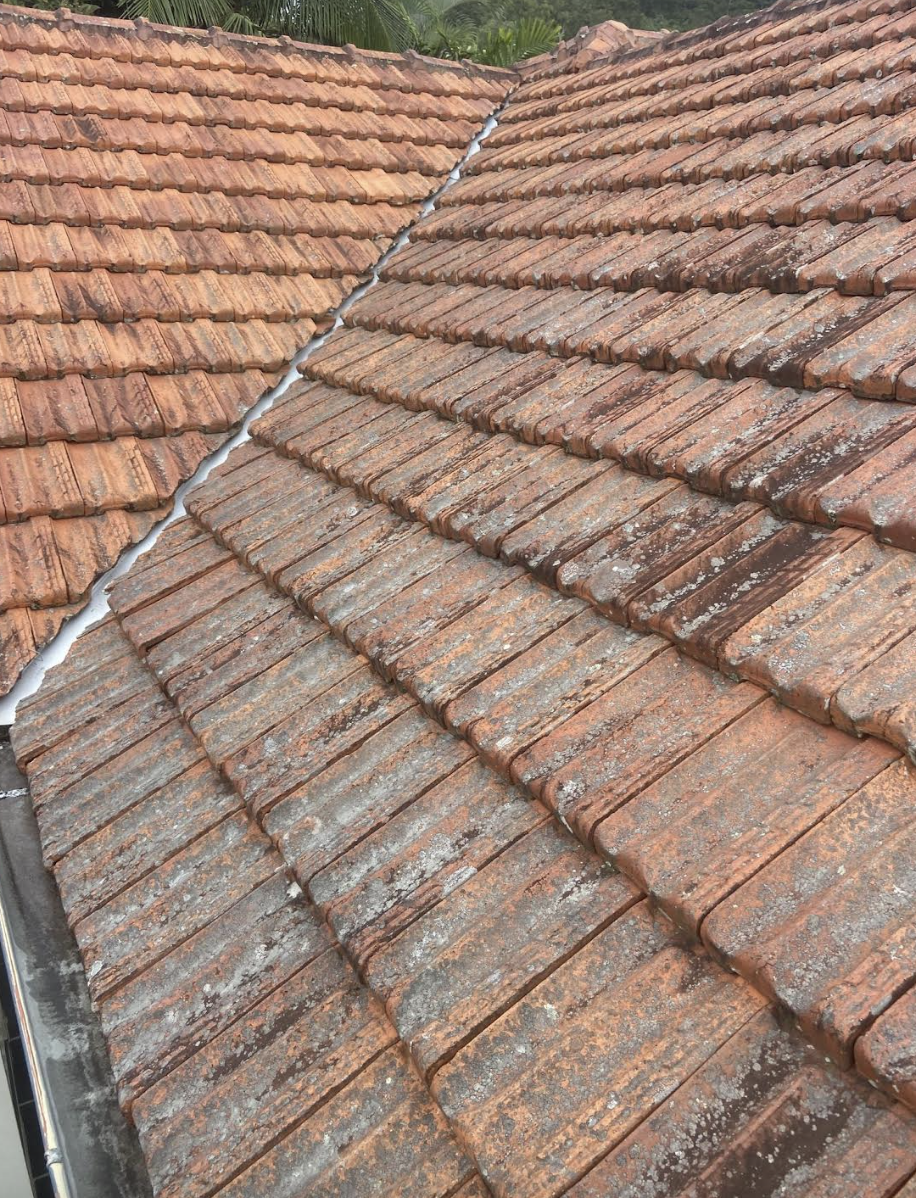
[(498, 32)]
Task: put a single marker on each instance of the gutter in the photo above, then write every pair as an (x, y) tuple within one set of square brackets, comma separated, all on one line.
[(90, 1149)]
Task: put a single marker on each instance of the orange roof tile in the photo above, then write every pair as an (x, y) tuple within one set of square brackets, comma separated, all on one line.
[(179, 211), (538, 677)]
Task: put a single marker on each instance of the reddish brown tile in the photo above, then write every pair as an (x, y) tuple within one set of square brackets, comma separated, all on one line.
[(806, 928), (770, 1111), (585, 1049), (713, 821), (530, 909)]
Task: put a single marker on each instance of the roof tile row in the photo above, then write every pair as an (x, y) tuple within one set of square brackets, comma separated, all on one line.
[(142, 166)]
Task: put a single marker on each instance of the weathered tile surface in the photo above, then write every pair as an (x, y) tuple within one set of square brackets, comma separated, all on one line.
[(179, 215), (614, 458)]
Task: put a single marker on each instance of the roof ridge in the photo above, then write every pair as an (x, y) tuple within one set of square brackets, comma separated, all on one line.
[(65, 19), (581, 56)]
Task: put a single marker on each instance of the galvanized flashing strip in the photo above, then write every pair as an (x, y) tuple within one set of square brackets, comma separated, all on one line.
[(92, 1151)]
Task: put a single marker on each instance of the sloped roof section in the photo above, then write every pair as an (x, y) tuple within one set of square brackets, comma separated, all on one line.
[(539, 677), (179, 211)]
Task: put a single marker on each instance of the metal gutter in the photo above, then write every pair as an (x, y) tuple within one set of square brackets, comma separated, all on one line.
[(91, 1150)]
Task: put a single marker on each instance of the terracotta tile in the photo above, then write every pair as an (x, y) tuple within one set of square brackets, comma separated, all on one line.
[(791, 472), (382, 1125), (170, 461), (39, 481), (329, 566), (566, 528), (700, 604), (420, 855), (832, 956), (272, 540), (872, 359), (546, 477), (248, 710), (405, 555), (713, 821), (164, 571), (307, 741), (470, 648), (112, 474), (277, 479), (828, 628), (160, 1019), (12, 417), (240, 657), (770, 1109), (356, 794), (884, 1052), (532, 907), (611, 1020), (380, 464), (101, 643), (140, 839), (123, 406), (294, 1049), (58, 710), (146, 921), (538, 690), (652, 719), (649, 540), (495, 382), (88, 748), (492, 461), (168, 615), (424, 609), (878, 700), (17, 646), (30, 566), (873, 494)]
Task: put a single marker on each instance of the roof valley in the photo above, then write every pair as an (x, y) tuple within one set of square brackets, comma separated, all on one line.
[(543, 610), (179, 212), (86, 575)]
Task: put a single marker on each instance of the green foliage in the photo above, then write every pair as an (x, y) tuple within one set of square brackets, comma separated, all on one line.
[(480, 30), (497, 32), (53, 5), (644, 14), (502, 45)]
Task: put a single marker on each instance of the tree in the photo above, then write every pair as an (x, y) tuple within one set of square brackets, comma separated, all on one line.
[(499, 32), (480, 30)]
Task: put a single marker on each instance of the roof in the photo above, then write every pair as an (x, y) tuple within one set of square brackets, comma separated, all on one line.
[(592, 43), (499, 781), (179, 211)]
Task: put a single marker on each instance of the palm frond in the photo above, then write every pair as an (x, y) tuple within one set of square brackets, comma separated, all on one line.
[(191, 13), (503, 45)]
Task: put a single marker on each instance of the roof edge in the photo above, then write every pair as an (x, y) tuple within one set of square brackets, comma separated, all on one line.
[(585, 50), (90, 1148), (66, 20)]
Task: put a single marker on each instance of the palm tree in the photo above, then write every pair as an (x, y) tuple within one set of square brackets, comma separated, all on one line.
[(478, 29), (475, 29)]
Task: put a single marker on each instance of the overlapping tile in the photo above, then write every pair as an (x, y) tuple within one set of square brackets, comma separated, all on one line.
[(178, 216), (410, 517)]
